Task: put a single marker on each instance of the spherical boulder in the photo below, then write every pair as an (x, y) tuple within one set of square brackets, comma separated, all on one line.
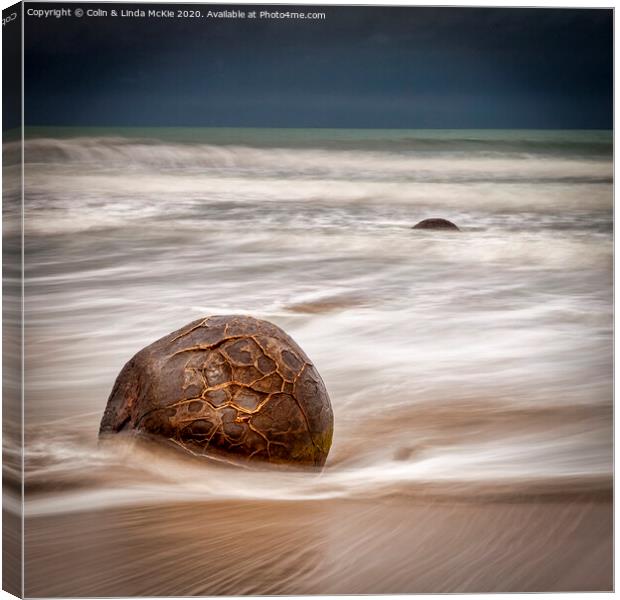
[(232, 387), (436, 224)]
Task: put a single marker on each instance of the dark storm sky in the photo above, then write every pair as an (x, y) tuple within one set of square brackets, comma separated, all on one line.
[(360, 67)]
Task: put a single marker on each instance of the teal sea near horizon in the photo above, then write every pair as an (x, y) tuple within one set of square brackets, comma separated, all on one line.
[(470, 373), (602, 139)]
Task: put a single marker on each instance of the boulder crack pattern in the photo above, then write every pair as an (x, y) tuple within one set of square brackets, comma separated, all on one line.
[(229, 385)]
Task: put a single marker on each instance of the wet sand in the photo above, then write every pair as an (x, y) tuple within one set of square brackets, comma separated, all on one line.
[(396, 545)]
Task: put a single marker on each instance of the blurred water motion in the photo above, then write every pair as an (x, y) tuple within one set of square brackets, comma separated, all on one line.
[(470, 373)]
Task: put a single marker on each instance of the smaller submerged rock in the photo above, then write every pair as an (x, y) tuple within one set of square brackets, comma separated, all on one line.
[(436, 224)]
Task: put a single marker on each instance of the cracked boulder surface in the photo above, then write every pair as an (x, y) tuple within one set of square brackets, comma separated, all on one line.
[(436, 224), (226, 386)]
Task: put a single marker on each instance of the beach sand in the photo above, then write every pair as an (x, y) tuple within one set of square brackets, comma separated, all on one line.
[(396, 545)]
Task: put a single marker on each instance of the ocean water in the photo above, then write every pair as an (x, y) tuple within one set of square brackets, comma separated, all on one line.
[(459, 364)]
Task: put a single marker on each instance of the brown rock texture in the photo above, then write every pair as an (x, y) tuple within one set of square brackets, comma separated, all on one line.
[(436, 224), (226, 386)]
